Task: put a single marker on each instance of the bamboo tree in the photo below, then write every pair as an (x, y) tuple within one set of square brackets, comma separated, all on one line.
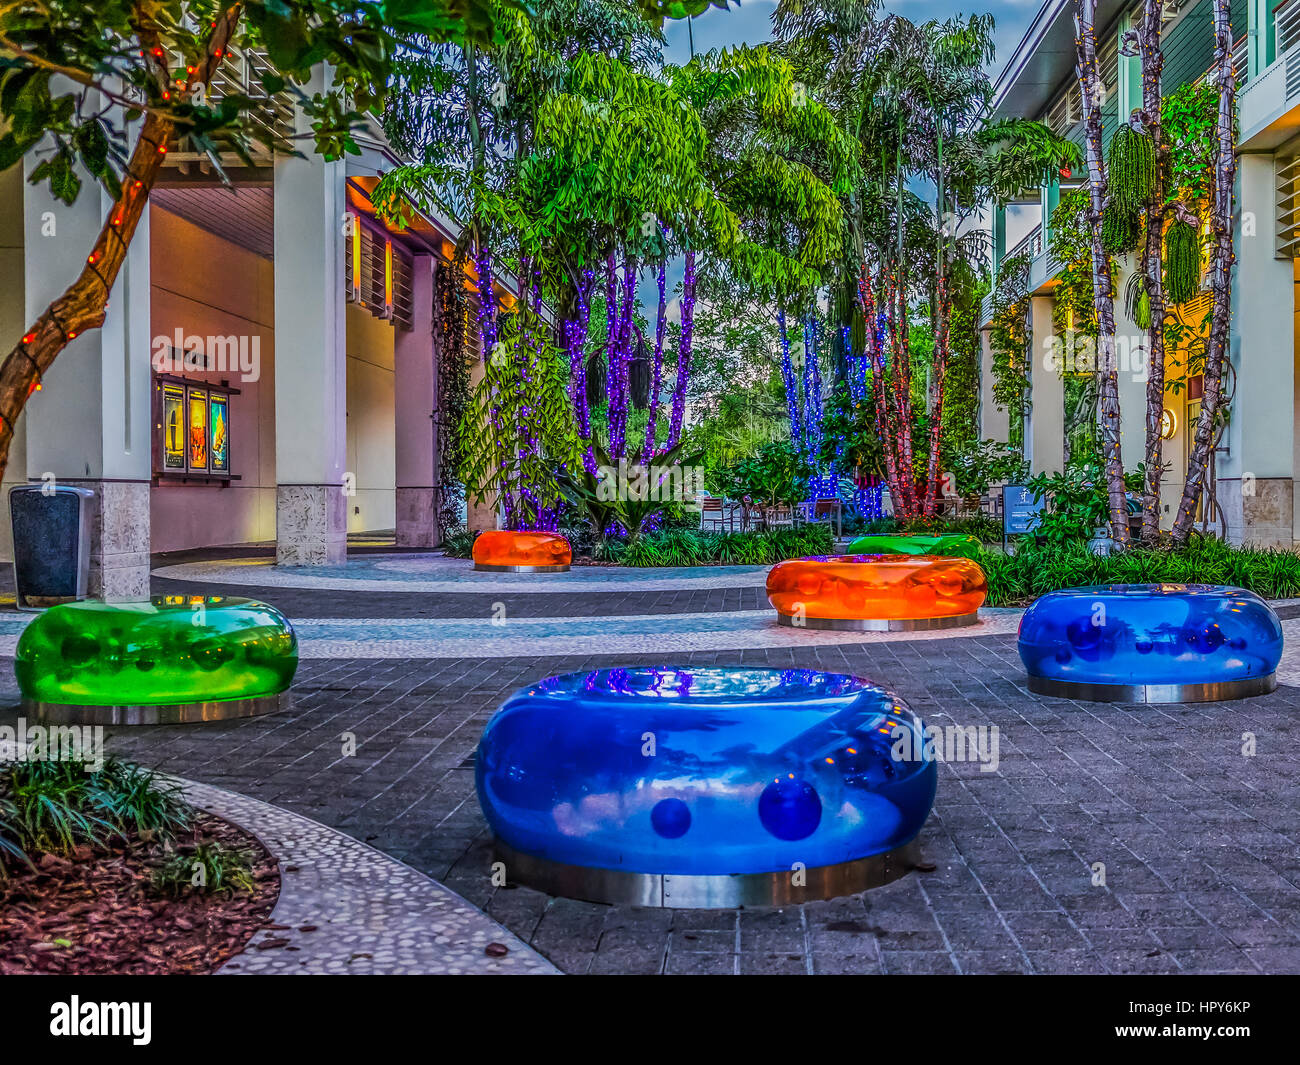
[(1216, 351), (1103, 291)]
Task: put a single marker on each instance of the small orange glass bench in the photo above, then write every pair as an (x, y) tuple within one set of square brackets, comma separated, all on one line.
[(513, 551), (888, 593)]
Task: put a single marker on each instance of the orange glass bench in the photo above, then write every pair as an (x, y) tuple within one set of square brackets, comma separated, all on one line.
[(514, 551), (889, 593)]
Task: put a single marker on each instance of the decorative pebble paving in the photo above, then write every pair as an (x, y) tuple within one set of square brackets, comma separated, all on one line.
[(345, 907)]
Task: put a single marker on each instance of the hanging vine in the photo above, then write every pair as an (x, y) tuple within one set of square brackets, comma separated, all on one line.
[(1009, 342), (1182, 262), (453, 389)]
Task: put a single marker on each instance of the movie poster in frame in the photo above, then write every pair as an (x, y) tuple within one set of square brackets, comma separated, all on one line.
[(219, 433), (173, 427), (198, 430)]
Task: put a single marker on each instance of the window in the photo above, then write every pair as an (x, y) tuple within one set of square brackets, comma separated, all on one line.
[(191, 429)]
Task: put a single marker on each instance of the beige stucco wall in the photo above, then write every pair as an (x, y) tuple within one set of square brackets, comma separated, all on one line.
[(371, 445), (209, 286)]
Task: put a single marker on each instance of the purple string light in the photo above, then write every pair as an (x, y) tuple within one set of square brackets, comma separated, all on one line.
[(657, 379), (787, 375), (684, 353)]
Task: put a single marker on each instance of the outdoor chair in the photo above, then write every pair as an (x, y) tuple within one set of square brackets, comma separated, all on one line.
[(712, 512)]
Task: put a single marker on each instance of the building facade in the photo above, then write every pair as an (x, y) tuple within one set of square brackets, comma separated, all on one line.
[(268, 367), (1253, 498)]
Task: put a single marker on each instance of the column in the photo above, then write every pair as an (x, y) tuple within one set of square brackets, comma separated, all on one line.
[(414, 400), (310, 359), (1255, 475), (13, 320), (993, 419), (1045, 435), (90, 423)]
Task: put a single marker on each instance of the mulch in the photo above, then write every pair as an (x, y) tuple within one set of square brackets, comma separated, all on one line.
[(97, 913)]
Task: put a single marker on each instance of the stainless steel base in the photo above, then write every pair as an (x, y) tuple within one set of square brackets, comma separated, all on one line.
[(1215, 692), (881, 624), (173, 714), (520, 569), (720, 892)]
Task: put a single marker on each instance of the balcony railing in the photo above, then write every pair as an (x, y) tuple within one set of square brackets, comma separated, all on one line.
[(1286, 25), (1031, 245), (269, 120)]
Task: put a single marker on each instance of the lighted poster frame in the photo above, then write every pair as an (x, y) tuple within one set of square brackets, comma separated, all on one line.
[(184, 405)]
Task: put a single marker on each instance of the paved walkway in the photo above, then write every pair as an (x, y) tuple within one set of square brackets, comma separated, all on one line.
[(345, 907), (1200, 844)]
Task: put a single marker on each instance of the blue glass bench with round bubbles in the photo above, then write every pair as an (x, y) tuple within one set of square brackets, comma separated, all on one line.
[(1153, 643), (711, 787)]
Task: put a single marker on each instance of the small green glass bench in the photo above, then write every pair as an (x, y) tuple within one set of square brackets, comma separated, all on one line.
[(952, 545), (173, 659)]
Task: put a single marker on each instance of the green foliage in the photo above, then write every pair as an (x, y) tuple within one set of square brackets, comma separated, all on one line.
[(1121, 230), (55, 806), (518, 427), (1130, 171), (681, 547), (776, 474), (1077, 504), (981, 526), (607, 505), (124, 52), (1034, 570), (1009, 339), (853, 423), (459, 543), (1182, 262), (208, 867), (984, 462), (1190, 121)]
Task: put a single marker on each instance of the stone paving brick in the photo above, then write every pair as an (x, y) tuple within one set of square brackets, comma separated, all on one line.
[(1200, 843)]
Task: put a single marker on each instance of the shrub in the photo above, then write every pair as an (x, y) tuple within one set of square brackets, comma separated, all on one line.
[(1034, 570), (205, 868), (56, 806), (458, 543)]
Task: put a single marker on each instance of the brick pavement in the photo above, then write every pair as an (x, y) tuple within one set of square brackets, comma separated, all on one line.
[(1201, 845)]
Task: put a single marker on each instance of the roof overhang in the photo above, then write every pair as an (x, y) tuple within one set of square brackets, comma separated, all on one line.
[(1045, 58)]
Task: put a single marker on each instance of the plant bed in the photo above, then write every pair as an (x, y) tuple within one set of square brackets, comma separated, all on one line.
[(1036, 569), (696, 547), (105, 868), (98, 911)]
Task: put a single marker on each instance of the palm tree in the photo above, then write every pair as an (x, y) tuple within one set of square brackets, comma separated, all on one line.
[(1208, 425)]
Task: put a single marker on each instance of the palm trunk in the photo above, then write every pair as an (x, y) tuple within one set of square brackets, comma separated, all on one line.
[(657, 377), (875, 350), (1152, 66), (84, 303), (1103, 291), (1225, 172), (942, 319), (683, 353)]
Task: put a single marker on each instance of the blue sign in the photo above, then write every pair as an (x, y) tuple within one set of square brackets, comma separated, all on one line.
[(1022, 510)]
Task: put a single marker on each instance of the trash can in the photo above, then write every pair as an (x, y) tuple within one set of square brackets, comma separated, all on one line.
[(51, 526)]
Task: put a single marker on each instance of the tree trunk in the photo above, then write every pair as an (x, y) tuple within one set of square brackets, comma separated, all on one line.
[(941, 338), (683, 353), (657, 377), (1216, 349), (83, 304), (1103, 291), (1153, 62)]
